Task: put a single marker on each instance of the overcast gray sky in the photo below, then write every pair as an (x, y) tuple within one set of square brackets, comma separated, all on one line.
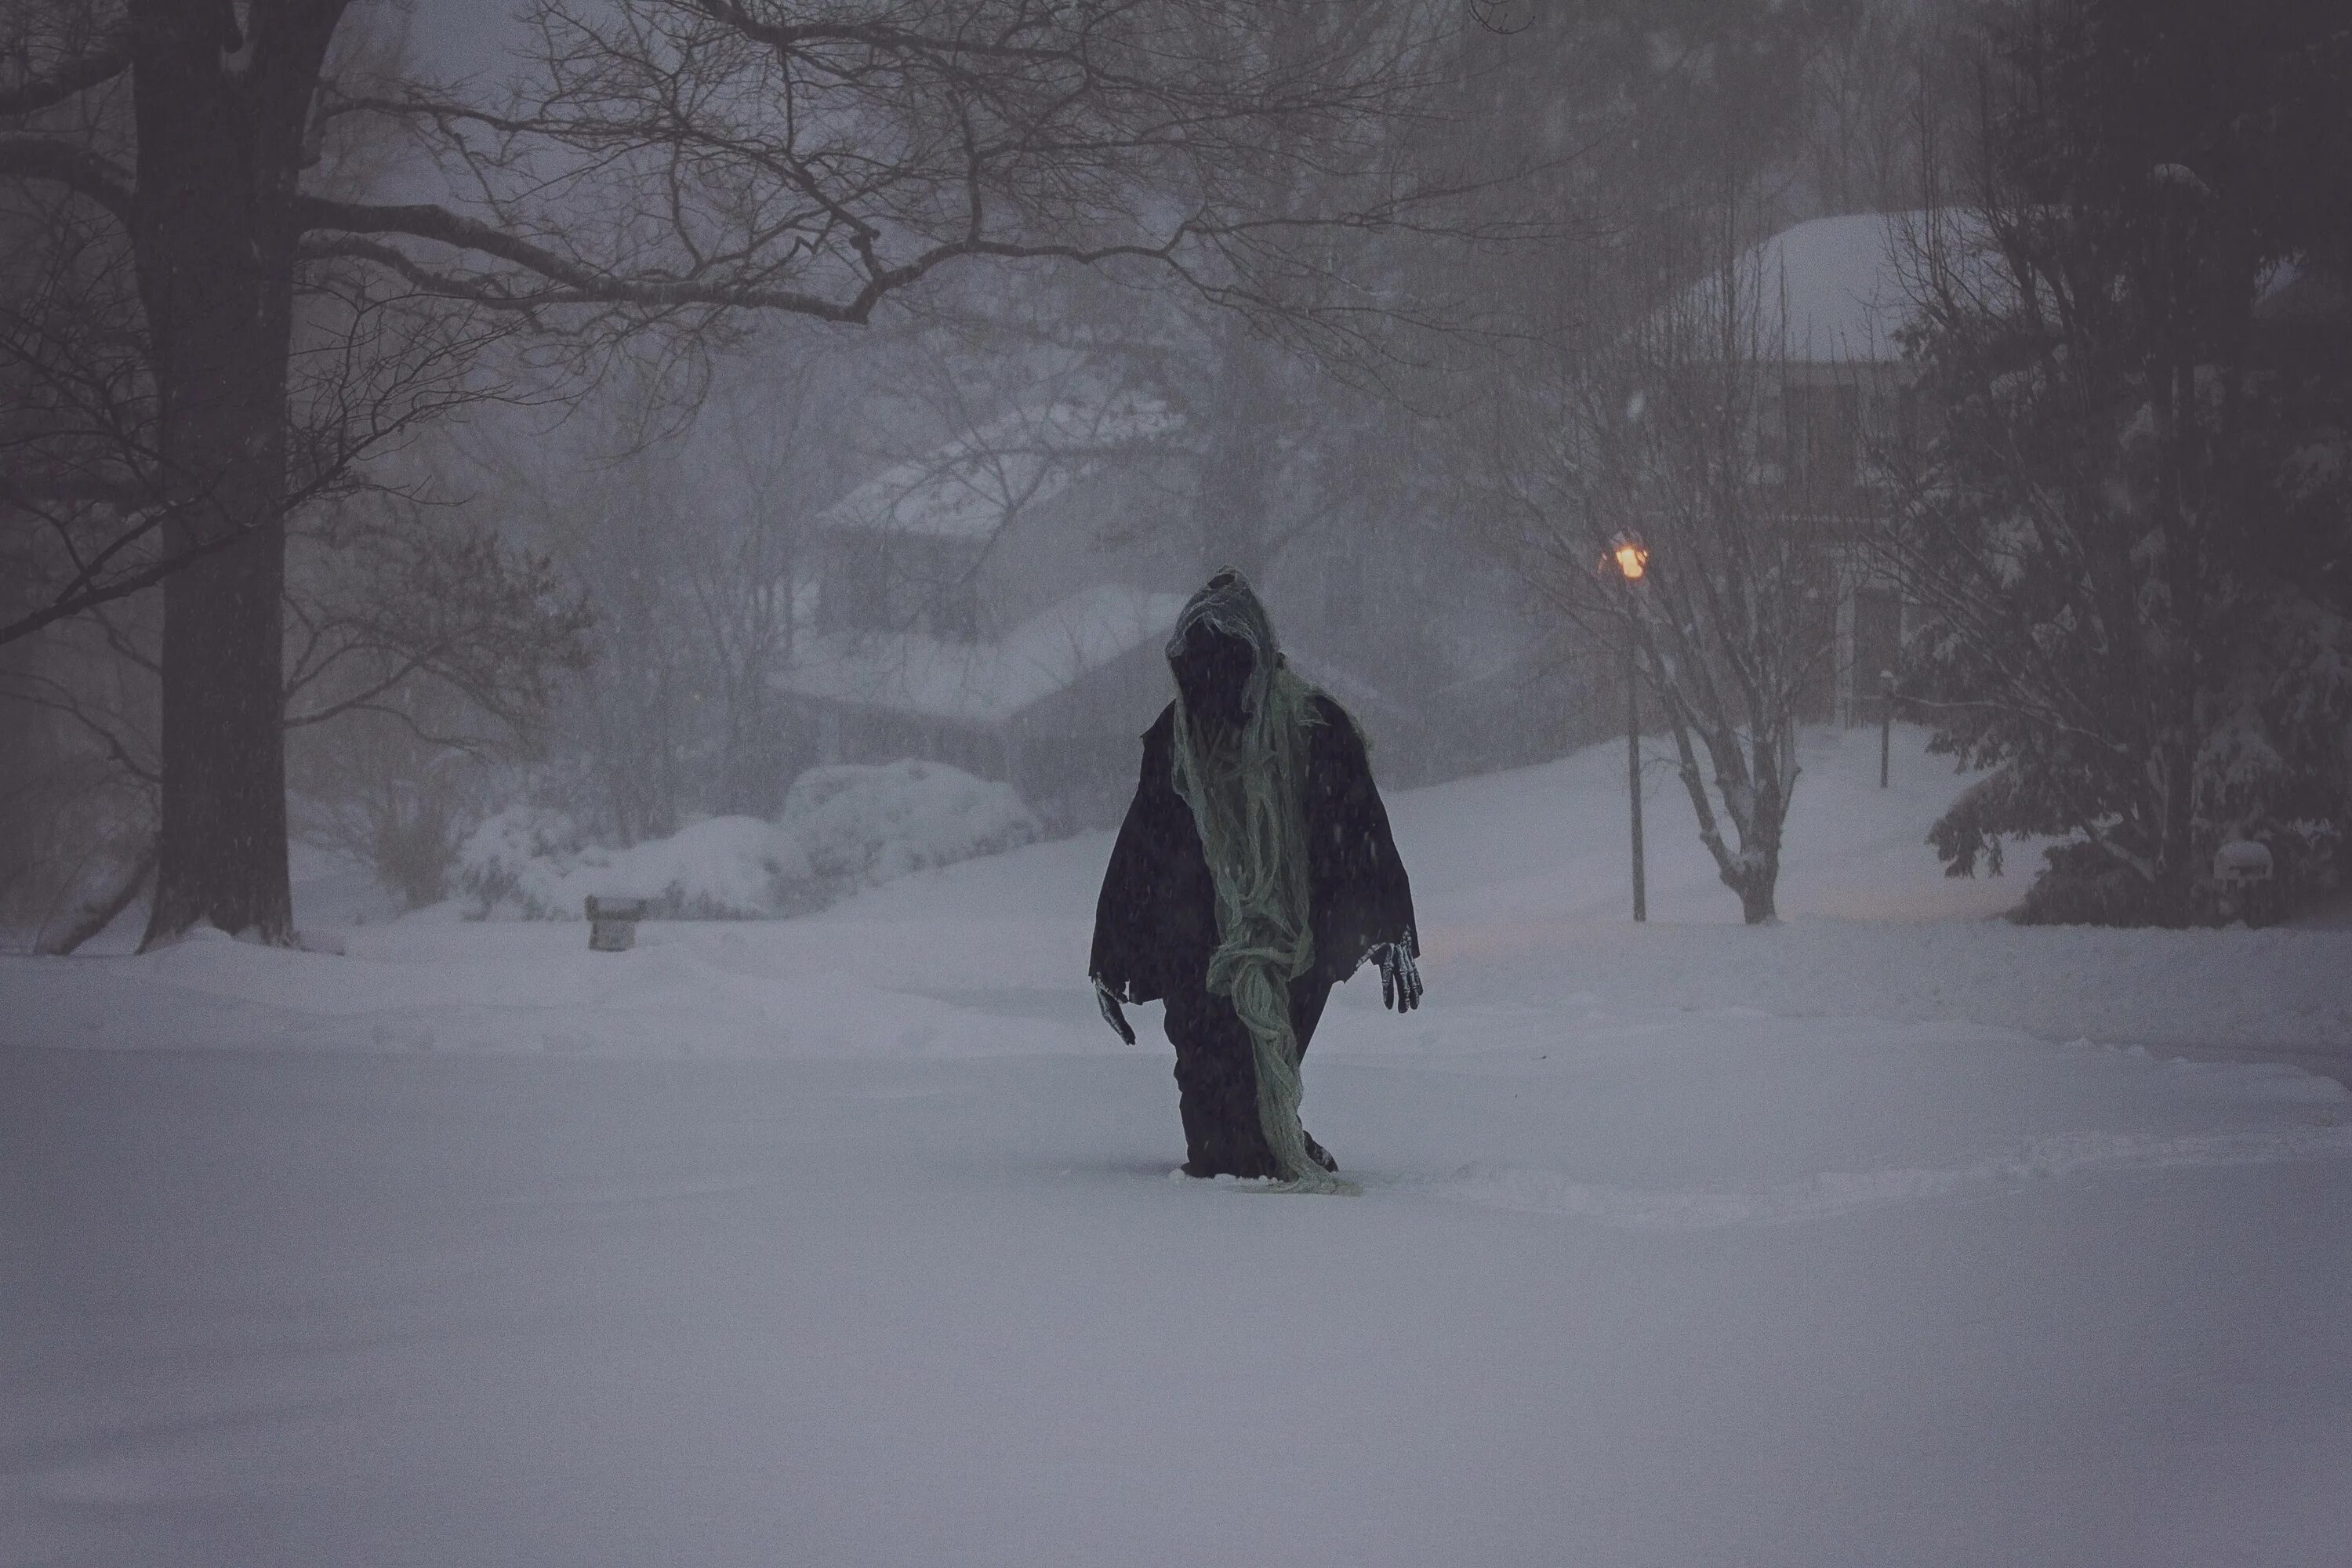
[(460, 38)]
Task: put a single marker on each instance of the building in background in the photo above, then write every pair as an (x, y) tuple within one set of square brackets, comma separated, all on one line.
[(1833, 301), (998, 604), (1837, 296), (1001, 603)]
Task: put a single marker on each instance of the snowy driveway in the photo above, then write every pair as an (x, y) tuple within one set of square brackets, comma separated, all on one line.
[(384, 1310), (1712, 1287), (851, 1241)]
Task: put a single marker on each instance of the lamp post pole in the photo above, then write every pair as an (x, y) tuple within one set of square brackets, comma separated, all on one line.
[(1633, 774), (1630, 559), (1885, 721)]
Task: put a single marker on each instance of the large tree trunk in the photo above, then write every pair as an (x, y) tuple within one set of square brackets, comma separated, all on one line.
[(1755, 793), (1759, 834), (1756, 899), (220, 136), (224, 796)]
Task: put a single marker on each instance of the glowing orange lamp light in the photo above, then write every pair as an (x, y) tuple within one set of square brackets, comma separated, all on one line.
[(1632, 559)]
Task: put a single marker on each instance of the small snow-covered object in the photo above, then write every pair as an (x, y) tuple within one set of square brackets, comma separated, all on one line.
[(612, 923)]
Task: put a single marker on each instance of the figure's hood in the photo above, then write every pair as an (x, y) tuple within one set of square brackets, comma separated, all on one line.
[(1228, 604)]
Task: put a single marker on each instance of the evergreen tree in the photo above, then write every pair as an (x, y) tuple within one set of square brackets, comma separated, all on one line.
[(2130, 525)]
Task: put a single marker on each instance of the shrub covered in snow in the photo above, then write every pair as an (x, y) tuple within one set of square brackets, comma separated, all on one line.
[(842, 828), (535, 864), (516, 860), (867, 825)]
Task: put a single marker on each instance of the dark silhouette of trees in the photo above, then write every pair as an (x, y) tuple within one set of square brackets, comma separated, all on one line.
[(662, 165), (2130, 528)]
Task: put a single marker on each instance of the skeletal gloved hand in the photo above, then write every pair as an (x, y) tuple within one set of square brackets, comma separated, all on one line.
[(1399, 979), (1111, 1013)]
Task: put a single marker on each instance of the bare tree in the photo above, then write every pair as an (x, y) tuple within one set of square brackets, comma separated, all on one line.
[(1642, 493), (664, 163), (78, 774), (396, 785), (745, 566), (686, 531), (1865, 83), (178, 399), (419, 641)]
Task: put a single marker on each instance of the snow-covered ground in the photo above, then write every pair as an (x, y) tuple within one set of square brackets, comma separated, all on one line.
[(1893, 1235)]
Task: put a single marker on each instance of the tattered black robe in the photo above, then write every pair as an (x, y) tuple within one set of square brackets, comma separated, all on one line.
[(1156, 927)]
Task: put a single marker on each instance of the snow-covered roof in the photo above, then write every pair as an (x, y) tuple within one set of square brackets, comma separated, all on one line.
[(1833, 290), (983, 685), (966, 488)]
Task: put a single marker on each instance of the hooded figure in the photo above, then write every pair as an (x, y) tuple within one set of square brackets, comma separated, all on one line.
[(1254, 872)]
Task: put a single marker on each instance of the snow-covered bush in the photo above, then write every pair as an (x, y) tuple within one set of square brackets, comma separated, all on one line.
[(865, 825), (842, 828), (515, 860), (533, 864)]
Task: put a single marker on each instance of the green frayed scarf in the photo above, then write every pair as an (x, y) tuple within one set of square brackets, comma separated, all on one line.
[(1246, 797)]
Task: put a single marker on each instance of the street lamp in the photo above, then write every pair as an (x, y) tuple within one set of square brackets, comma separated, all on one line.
[(1630, 559)]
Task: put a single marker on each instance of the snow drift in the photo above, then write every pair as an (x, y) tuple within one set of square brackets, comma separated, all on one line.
[(842, 828)]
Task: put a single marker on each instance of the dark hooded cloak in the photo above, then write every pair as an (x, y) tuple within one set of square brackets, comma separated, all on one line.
[(1157, 920)]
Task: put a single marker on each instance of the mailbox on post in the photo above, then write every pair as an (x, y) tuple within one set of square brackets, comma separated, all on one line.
[(612, 923)]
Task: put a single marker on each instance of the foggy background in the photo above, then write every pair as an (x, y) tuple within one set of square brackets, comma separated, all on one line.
[(1730, 279)]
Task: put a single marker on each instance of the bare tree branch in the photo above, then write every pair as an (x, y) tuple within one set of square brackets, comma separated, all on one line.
[(79, 169), (75, 74)]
